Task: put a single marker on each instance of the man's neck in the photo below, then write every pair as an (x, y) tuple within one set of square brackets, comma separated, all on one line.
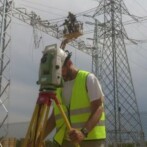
[(74, 73)]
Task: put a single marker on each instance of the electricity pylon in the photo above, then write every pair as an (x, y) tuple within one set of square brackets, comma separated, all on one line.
[(5, 20), (111, 66)]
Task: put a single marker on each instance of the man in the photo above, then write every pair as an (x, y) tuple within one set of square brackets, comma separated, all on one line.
[(72, 20), (82, 100)]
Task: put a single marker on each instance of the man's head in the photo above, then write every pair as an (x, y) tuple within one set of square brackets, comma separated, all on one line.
[(68, 69), (69, 54)]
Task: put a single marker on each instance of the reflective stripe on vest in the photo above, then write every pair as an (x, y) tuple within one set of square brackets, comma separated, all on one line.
[(84, 113), (80, 109)]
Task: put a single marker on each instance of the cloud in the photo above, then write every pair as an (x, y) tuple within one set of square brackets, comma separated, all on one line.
[(25, 60)]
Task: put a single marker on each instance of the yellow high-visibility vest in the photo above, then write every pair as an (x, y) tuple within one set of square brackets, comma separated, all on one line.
[(79, 111)]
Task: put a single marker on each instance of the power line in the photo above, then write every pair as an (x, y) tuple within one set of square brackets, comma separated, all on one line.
[(41, 10), (62, 18), (40, 4), (144, 18)]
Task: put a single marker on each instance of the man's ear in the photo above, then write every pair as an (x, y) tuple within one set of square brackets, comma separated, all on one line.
[(69, 63)]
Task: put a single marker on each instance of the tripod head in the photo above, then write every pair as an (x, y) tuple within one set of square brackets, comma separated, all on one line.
[(50, 71)]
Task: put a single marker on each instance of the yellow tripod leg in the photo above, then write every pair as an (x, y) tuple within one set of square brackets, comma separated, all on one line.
[(29, 134), (34, 136), (42, 122), (64, 116), (66, 120)]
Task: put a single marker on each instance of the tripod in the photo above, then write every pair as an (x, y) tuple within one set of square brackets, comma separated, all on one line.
[(36, 130), (49, 76)]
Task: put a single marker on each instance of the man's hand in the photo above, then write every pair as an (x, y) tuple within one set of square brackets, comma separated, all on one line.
[(76, 136)]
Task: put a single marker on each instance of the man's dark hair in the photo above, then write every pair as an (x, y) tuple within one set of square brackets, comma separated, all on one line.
[(69, 54)]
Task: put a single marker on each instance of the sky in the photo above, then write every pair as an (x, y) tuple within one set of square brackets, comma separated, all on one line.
[(25, 58)]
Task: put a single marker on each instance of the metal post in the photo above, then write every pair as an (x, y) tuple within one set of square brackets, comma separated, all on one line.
[(5, 20), (122, 114)]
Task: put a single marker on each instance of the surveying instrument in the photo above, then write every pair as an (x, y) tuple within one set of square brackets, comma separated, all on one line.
[(50, 78)]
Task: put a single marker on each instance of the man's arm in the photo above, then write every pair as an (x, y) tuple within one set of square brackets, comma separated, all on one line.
[(50, 125), (96, 97), (96, 112)]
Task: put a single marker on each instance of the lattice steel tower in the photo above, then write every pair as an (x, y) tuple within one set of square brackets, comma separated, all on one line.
[(110, 63), (5, 20)]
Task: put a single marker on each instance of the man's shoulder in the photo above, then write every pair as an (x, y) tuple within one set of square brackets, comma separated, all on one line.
[(92, 76), (83, 72), (89, 76)]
